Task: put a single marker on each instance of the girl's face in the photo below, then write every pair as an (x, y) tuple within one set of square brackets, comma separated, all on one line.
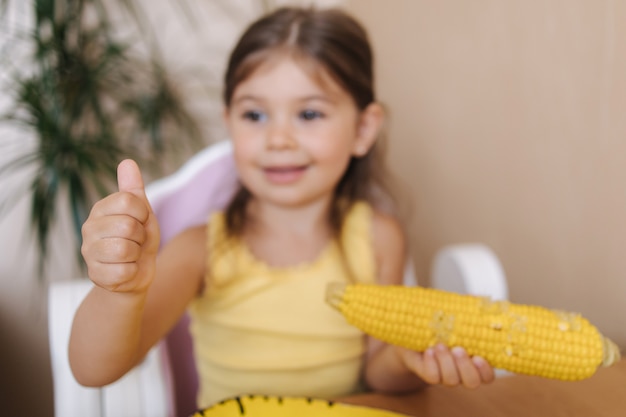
[(293, 136)]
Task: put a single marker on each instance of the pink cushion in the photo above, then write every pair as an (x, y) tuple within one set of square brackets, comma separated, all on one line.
[(184, 199)]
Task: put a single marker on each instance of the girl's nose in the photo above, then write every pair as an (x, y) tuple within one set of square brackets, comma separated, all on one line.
[(280, 135)]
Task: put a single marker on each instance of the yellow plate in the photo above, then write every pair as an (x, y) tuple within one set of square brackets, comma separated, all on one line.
[(260, 406)]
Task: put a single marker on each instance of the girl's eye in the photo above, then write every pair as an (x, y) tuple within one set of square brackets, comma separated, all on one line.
[(253, 116), (310, 115)]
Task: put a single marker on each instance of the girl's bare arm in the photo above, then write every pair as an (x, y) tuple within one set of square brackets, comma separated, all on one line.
[(385, 370), (132, 305)]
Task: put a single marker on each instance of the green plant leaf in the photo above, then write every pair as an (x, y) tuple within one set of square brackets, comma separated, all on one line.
[(89, 103)]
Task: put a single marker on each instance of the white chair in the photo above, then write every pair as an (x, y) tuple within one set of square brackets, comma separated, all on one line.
[(165, 383), (470, 268), (143, 392)]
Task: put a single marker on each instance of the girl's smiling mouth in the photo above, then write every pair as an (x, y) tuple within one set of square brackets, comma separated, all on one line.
[(285, 174)]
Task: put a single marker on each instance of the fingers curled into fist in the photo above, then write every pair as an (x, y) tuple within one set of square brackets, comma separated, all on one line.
[(121, 235), (448, 367)]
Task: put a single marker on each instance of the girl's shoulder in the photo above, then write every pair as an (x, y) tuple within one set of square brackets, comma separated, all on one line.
[(382, 225), (192, 234), (389, 244), (188, 247), (184, 256), (386, 228), (188, 244)]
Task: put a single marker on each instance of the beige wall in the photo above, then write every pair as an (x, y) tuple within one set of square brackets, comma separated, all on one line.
[(508, 125)]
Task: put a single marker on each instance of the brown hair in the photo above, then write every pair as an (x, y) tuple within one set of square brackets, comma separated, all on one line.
[(336, 42)]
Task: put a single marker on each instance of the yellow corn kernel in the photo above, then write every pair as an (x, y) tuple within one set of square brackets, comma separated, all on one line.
[(520, 338)]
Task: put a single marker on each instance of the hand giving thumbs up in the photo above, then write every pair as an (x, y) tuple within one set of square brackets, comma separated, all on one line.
[(121, 236)]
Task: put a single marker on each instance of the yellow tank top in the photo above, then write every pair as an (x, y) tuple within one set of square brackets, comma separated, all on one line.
[(263, 330)]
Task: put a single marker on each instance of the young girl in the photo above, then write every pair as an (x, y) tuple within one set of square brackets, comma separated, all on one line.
[(302, 115)]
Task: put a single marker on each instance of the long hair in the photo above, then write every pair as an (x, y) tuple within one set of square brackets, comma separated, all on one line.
[(327, 39)]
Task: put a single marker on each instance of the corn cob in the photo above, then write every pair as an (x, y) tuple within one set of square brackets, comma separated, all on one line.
[(523, 339)]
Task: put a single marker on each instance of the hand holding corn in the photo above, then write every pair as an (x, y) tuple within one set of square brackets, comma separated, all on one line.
[(523, 339)]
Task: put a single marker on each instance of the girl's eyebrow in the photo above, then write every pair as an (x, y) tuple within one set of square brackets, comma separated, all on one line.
[(318, 97), (312, 97), (246, 97)]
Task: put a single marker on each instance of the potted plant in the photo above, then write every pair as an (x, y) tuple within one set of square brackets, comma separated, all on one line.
[(89, 102)]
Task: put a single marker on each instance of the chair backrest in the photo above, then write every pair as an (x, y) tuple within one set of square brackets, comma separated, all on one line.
[(186, 198), (470, 268), (205, 183)]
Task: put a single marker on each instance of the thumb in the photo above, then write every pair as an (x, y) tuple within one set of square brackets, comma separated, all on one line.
[(129, 178)]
